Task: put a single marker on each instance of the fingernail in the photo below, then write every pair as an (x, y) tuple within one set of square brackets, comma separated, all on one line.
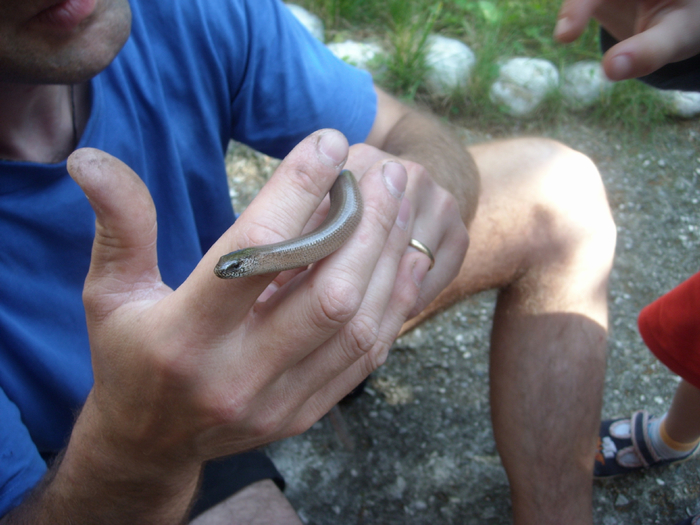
[(563, 26), (404, 214), (395, 178), (332, 148), (620, 67), (420, 270)]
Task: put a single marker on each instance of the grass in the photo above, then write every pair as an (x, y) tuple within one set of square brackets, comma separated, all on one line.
[(493, 29)]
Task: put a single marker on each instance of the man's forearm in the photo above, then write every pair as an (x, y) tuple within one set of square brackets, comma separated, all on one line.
[(423, 139), (89, 483)]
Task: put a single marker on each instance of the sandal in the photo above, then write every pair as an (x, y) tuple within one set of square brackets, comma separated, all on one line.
[(624, 447)]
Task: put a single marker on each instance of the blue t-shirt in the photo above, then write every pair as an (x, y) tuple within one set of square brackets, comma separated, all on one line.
[(193, 75)]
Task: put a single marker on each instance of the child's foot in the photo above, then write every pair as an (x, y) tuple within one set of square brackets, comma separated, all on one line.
[(628, 445)]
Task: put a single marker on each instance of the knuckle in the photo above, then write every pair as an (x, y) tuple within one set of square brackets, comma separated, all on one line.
[(362, 335), (406, 298), (312, 410), (258, 234), (338, 302), (450, 207), (275, 225), (267, 423), (245, 412), (382, 213), (219, 413), (301, 425), (304, 181), (448, 203), (378, 356), (169, 367)]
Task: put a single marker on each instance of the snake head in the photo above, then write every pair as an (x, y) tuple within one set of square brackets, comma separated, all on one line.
[(240, 263)]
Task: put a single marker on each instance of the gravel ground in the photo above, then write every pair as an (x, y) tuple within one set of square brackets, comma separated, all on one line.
[(424, 450)]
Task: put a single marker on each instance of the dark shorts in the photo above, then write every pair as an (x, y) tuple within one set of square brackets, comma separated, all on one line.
[(222, 478)]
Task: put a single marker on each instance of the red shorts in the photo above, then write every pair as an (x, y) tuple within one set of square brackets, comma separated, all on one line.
[(670, 326)]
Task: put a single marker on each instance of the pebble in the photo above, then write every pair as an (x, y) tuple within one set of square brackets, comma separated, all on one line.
[(450, 63), (363, 55), (523, 84), (681, 103), (583, 84), (621, 501)]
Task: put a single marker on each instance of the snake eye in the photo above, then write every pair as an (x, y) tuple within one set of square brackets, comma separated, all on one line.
[(229, 267)]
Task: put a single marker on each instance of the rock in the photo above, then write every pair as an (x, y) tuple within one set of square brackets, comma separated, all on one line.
[(420, 505), (583, 84), (449, 64), (309, 20), (610, 520), (523, 83), (621, 501), (685, 104), (362, 55)]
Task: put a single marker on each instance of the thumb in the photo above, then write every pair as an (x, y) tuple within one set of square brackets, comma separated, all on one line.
[(124, 258)]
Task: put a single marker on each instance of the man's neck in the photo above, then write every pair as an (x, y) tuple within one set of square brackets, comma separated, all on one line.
[(40, 123)]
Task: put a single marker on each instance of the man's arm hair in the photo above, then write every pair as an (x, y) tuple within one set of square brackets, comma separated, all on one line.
[(88, 484), (418, 136)]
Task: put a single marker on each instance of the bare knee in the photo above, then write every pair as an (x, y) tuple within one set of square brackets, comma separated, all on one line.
[(571, 219), (543, 226)]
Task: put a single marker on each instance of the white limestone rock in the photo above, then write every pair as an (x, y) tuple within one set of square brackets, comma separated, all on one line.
[(523, 83), (309, 20), (450, 63), (685, 104), (363, 55), (584, 83)]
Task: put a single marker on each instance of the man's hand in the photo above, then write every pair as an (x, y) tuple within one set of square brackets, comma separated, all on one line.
[(652, 33), (435, 220), (207, 370)]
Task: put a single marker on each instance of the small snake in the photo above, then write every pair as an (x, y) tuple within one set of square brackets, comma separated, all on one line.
[(342, 219)]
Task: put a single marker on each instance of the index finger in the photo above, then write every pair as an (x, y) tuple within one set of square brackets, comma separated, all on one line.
[(573, 17), (279, 212), (671, 39)]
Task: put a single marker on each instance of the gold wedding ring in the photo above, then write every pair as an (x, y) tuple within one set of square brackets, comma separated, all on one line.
[(423, 249)]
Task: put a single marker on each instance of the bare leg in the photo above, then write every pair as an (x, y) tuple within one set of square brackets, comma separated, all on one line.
[(683, 418), (261, 503), (544, 235)]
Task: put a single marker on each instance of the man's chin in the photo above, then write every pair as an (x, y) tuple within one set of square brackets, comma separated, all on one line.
[(57, 72), (45, 59)]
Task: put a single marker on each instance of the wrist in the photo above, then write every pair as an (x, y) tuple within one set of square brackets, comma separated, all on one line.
[(117, 481)]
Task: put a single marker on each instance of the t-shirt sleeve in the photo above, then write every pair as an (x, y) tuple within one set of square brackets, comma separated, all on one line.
[(292, 85), (21, 466)]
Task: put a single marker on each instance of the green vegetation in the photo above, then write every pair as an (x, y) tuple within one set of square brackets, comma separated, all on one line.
[(493, 29)]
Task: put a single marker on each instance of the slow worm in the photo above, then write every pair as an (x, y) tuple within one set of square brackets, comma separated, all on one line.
[(343, 217)]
